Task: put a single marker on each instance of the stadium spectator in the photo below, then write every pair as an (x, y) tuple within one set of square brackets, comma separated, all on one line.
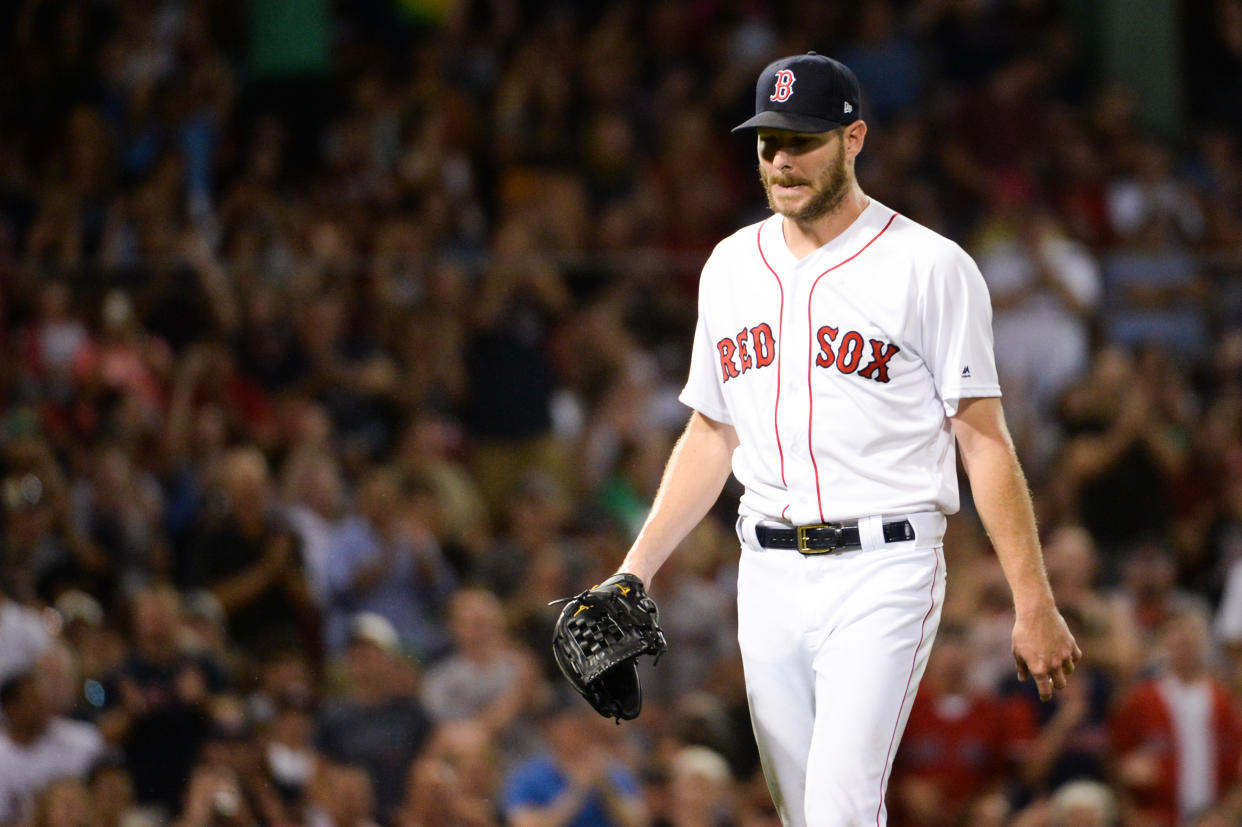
[(699, 790), (455, 781), (383, 560), (249, 559), (112, 793), (1117, 460), (234, 747), (533, 535), (97, 647), (1045, 288), (699, 611), (214, 796), (379, 724), (155, 703), (1107, 625), (54, 341), (1068, 738), (127, 360), (23, 635), (313, 498), (1149, 596), (1083, 804), (344, 798), (1177, 736), (66, 802), (39, 558), (577, 780), (1153, 294), (117, 509), (289, 755), (520, 296), (37, 746), (958, 745), (487, 678), (430, 455)]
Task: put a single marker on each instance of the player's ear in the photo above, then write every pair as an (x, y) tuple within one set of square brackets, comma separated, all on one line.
[(855, 135)]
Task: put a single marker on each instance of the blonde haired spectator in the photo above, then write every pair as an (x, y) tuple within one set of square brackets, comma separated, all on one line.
[(700, 789), (1083, 803)]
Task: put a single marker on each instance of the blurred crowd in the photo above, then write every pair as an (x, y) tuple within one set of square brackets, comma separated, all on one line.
[(316, 388)]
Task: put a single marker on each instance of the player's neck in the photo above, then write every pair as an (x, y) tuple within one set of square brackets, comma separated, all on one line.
[(805, 237)]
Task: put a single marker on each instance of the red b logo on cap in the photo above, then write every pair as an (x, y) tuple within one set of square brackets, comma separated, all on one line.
[(784, 86)]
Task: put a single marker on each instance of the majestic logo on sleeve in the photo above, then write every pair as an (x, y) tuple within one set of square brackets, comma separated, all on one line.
[(784, 86), (849, 353), (751, 348)]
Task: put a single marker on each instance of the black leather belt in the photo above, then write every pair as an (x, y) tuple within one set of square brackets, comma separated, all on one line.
[(821, 539)]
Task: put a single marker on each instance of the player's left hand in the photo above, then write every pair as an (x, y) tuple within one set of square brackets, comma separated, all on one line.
[(1044, 649)]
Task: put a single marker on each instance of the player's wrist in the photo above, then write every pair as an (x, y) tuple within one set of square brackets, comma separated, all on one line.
[(1034, 603), (633, 569), (624, 578)]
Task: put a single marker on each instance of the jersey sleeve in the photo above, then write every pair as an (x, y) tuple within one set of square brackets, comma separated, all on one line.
[(957, 331), (703, 391)]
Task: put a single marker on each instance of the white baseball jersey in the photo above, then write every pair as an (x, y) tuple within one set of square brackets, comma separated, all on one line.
[(839, 371)]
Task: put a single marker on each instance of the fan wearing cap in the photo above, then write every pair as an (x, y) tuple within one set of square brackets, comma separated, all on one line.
[(842, 356)]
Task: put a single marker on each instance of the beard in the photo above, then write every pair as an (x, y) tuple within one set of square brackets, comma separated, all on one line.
[(829, 190)]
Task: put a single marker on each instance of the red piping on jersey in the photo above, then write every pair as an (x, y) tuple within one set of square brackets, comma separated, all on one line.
[(810, 362), (780, 331), (913, 665)]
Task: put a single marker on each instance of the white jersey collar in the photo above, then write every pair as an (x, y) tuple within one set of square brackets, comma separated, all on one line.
[(873, 217)]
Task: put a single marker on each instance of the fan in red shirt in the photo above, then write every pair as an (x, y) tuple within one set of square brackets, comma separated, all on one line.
[(1177, 736), (956, 747)]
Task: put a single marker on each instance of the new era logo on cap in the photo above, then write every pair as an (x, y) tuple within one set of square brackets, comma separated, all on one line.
[(805, 93)]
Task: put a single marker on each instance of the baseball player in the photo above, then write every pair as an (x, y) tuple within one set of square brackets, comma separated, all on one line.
[(841, 349)]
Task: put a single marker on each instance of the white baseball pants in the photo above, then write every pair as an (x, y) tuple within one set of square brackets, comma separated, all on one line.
[(833, 648)]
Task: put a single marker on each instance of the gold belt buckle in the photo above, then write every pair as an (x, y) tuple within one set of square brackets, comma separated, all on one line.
[(802, 530)]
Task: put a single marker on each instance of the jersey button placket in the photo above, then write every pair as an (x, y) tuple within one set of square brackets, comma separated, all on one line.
[(804, 375), (794, 396)]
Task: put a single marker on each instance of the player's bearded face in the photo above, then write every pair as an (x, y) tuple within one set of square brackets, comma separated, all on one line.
[(823, 194)]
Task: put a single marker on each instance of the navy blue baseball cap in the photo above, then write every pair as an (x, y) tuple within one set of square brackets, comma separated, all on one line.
[(805, 93)]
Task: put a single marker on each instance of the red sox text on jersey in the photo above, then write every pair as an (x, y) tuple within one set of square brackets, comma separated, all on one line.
[(736, 358)]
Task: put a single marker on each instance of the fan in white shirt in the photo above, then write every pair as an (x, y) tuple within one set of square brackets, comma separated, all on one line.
[(37, 747)]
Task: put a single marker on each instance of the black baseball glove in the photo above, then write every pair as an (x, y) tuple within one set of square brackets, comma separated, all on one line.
[(598, 639)]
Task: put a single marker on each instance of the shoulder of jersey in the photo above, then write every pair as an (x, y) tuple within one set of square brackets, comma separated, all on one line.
[(742, 239), (732, 249), (934, 256), (925, 239)]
